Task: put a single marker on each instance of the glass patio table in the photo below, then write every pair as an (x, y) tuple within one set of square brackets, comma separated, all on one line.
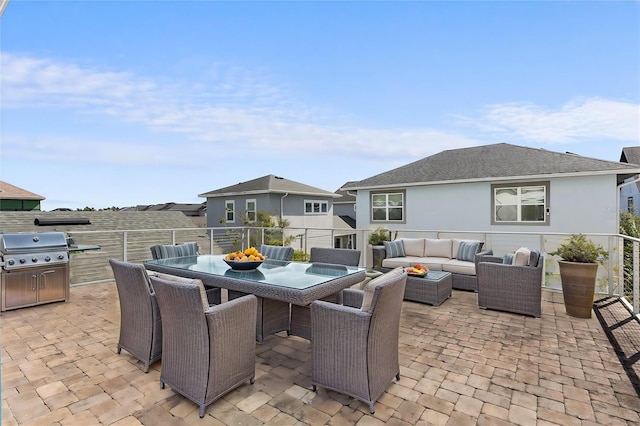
[(299, 283)]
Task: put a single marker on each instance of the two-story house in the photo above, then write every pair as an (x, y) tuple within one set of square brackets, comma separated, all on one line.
[(303, 206)]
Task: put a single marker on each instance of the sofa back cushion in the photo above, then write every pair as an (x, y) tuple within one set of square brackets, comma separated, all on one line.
[(413, 246), (394, 248), (437, 248)]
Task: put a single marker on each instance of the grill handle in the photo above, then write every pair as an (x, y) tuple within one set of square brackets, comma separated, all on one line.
[(43, 275), (34, 281)]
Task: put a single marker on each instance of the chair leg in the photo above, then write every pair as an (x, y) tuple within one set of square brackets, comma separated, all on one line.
[(252, 380), (371, 409), (313, 388), (398, 376), (202, 408), (161, 384), (119, 350)]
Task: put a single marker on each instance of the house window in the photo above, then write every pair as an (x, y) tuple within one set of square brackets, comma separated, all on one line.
[(230, 211), (630, 204), (387, 207), (522, 204), (251, 210), (316, 207)]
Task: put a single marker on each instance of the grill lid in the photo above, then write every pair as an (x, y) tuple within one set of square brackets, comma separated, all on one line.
[(32, 242)]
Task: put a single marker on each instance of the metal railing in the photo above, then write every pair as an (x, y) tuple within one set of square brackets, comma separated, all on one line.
[(615, 277)]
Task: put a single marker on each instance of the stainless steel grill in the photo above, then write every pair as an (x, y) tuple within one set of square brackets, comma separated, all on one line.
[(35, 269)]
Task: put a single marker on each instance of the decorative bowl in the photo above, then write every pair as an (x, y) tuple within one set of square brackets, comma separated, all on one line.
[(244, 265)]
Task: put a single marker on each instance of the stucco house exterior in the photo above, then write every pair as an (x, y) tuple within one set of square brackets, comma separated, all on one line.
[(495, 188), (630, 192), (302, 205)]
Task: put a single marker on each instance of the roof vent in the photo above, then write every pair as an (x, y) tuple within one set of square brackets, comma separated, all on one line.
[(62, 221)]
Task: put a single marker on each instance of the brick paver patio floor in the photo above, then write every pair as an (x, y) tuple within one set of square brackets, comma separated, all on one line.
[(459, 366)]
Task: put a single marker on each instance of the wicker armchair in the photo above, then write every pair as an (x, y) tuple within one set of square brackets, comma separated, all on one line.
[(206, 353), (355, 349), (510, 288), (272, 315), (301, 315), (140, 321)]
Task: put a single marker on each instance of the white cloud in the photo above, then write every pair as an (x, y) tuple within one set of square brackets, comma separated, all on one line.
[(577, 121), (231, 108)]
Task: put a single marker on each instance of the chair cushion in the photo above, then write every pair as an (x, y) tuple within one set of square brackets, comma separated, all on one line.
[(467, 250), (521, 257), (370, 289), (455, 245), (394, 248), (183, 280), (437, 248), (508, 259), (413, 246)]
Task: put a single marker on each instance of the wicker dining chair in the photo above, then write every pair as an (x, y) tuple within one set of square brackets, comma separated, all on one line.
[(189, 252), (206, 352), (140, 320), (355, 348), (511, 288), (272, 315), (301, 315)]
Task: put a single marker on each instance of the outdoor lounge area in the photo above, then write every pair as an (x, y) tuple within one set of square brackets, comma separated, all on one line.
[(458, 365)]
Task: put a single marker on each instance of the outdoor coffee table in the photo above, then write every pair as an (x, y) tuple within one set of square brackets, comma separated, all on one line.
[(432, 288)]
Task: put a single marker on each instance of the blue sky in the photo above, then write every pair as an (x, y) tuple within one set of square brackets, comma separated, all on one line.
[(122, 103)]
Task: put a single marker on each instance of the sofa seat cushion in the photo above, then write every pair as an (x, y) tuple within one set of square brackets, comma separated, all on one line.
[(461, 267), (394, 262)]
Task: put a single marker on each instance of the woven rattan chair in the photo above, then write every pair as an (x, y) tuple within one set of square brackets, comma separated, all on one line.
[(206, 352), (140, 321), (510, 288), (301, 315), (355, 349), (273, 315), (189, 252)]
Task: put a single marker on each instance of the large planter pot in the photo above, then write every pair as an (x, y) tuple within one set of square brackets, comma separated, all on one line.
[(578, 287)]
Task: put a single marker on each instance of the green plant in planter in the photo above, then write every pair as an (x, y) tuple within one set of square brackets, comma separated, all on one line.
[(580, 249), (379, 235)]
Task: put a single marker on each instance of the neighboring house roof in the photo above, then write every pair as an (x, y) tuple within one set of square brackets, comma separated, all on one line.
[(268, 184), (11, 192), (491, 163), (630, 154), (189, 209), (345, 196)]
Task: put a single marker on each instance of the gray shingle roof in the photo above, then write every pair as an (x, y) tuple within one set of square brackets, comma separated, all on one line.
[(493, 162), (268, 184), (346, 197), (630, 154)]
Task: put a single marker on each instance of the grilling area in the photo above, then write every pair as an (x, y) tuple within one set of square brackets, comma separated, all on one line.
[(459, 365)]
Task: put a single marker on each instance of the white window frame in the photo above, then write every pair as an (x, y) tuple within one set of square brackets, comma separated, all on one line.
[(520, 203), (249, 212), (320, 204), (387, 206), (230, 212)]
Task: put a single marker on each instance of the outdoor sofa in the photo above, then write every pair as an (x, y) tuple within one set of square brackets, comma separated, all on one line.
[(457, 256)]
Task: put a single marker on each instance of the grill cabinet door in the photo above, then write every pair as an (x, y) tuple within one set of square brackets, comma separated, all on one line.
[(20, 288), (53, 284)]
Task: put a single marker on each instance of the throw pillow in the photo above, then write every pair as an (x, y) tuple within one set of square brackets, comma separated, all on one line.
[(394, 248), (508, 259), (467, 251), (522, 257), (183, 280)]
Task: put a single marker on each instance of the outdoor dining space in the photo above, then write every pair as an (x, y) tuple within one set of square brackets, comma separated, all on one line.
[(458, 365)]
